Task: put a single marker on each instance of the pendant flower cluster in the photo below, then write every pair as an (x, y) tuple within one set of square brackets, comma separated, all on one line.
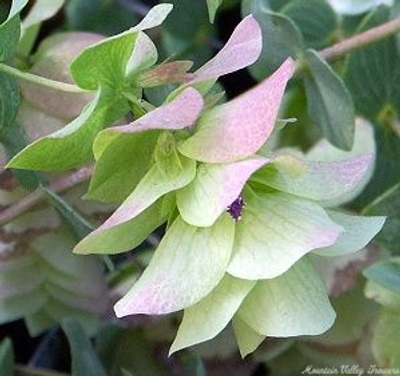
[(240, 224)]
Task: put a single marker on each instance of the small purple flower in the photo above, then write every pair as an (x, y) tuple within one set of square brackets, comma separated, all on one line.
[(235, 209)]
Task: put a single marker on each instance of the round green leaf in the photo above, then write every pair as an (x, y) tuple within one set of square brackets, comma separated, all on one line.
[(281, 38), (185, 10), (105, 63), (380, 293), (315, 19), (372, 73), (330, 105), (385, 273), (101, 12), (388, 204)]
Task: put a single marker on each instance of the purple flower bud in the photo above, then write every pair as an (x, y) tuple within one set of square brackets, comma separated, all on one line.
[(235, 209)]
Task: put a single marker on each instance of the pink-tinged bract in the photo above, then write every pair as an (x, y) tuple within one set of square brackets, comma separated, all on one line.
[(154, 185), (180, 113), (330, 183), (242, 49), (214, 188), (358, 232), (136, 211), (154, 17), (238, 128), (187, 265)]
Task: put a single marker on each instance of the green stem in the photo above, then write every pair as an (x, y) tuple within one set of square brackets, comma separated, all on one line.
[(360, 40), (141, 105), (57, 85)]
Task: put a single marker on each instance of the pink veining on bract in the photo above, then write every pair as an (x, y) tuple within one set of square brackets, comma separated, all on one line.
[(238, 128)]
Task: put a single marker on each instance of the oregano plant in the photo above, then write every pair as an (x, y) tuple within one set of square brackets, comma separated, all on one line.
[(174, 191)]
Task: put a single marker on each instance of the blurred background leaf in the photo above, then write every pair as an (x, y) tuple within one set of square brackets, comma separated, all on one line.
[(14, 141), (281, 38), (100, 16), (9, 103), (213, 6), (187, 32), (6, 358), (388, 204), (84, 361), (372, 73), (385, 341), (128, 350), (385, 273), (193, 365), (79, 225)]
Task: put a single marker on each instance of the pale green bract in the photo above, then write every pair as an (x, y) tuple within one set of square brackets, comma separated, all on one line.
[(203, 255), (298, 296), (212, 313), (275, 232)]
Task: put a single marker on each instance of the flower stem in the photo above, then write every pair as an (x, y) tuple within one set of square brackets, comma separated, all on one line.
[(15, 210), (57, 85), (360, 40)]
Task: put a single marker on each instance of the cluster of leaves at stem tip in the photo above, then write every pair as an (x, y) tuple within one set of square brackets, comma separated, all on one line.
[(245, 220)]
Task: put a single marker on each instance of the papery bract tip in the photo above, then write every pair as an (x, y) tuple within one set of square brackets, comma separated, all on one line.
[(242, 49)]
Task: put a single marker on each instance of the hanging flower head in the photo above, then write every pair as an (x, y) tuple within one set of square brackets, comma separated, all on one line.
[(240, 223)]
